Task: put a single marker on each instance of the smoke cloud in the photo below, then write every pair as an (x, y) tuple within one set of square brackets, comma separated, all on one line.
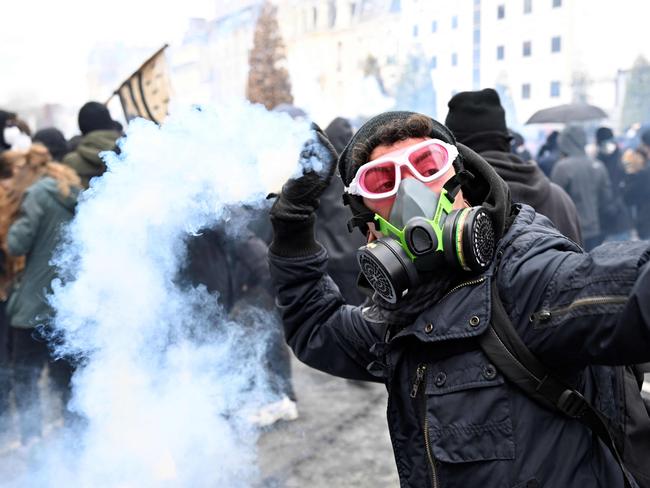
[(167, 381)]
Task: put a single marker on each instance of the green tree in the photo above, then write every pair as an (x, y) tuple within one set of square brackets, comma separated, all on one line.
[(636, 105), (268, 78)]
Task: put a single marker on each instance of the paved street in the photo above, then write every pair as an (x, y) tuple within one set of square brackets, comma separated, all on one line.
[(340, 439)]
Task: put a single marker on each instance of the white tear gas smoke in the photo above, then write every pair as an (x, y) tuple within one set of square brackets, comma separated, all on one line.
[(168, 379)]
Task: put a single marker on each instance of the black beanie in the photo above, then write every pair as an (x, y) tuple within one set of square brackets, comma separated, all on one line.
[(478, 120), (348, 166), (604, 134), (94, 116), (54, 140)]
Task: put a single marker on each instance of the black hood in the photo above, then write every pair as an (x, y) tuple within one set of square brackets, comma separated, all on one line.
[(486, 188), (526, 181), (339, 132)]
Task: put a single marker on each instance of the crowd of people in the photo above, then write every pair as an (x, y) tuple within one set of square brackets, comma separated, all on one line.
[(544, 216)]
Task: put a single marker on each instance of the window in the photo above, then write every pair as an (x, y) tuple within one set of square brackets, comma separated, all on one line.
[(528, 6), (477, 36), (434, 26), (501, 51), (556, 44), (314, 14), (555, 88), (454, 22), (501, 11), (525, 91), (527, 49), (353, 9), (454, 59), (557, 3), (434, 62), (415, 30)]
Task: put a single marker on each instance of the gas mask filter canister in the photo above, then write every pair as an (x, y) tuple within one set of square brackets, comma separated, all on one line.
[(424, 232)]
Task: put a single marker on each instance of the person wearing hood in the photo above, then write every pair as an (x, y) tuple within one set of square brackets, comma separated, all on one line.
[(478, 120), (331, 220), (618, 229), (447, 252), (47, 205), (98, 134), (549, 153), (587, 183)]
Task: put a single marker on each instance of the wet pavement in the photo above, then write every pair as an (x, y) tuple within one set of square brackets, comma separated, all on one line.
[(339, 440)]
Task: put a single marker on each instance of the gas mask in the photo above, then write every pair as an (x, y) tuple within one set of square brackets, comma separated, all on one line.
[(424, 233)]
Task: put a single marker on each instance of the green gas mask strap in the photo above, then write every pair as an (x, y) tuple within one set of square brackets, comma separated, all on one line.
[(445, 205), (386, 228)]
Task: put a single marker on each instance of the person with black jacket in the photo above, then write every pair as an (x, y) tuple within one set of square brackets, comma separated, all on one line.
[(446, 245), (235, 269), (587, 182), (331, 224), (478, 120)]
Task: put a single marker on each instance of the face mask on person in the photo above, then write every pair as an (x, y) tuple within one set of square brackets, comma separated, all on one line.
[(608, 147), (425, 233)]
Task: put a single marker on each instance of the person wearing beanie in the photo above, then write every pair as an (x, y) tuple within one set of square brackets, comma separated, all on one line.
[(478, 120), (98, 134), (620, 228), (54, 140), (448, 256), (587, 182), (331, 224)]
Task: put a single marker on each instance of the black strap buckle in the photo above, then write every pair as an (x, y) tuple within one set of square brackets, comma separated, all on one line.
[(572, 403)]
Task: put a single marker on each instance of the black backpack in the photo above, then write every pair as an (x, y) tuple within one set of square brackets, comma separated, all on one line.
[(630, 446)]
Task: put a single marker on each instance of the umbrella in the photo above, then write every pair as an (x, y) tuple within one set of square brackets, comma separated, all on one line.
[(570, 112)]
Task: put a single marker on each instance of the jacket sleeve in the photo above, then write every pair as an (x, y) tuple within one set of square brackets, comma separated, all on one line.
[(573, 308), (322, 330), (22, 232)]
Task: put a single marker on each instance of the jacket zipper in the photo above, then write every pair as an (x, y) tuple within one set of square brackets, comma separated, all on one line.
[(462, 285), (421, 379), (546, 315)]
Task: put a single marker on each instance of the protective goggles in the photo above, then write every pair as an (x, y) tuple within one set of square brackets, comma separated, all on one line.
[(380, 178)]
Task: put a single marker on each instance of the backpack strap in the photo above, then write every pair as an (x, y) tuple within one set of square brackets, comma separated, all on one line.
[(504, 347)]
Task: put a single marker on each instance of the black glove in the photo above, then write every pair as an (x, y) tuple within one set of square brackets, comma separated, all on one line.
[(292, 214), (300, 196)]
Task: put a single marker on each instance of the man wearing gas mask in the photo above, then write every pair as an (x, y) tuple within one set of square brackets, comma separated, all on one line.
[(449, 257)]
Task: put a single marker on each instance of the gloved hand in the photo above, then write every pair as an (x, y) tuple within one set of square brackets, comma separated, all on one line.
[(292, 214), (299, 197)]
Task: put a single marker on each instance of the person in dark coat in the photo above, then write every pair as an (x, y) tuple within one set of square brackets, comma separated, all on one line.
[(587, 183), (478, 120), (47, 205), (620, 228), (518, 146), (98, 135), (54, 140), (549, 154), (236, 269), (637, 183), (331, 224), (454, 419)]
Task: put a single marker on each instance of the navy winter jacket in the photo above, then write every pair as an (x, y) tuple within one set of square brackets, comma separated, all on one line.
[(453, 418)]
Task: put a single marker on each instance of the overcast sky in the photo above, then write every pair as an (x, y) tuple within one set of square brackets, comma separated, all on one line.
[(44, 44)]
